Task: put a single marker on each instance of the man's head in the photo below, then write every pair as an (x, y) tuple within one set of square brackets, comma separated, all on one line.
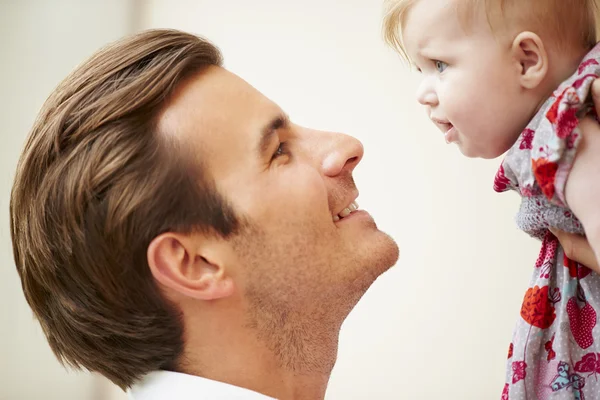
[(488, 65), (157, 188)]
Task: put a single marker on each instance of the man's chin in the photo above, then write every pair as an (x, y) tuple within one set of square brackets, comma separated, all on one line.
[(386, 254), (381, 249), (378, 256)]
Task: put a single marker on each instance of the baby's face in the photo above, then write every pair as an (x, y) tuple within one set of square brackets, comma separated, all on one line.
[(470, 86)]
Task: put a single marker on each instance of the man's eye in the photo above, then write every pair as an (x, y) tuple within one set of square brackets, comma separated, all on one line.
[(281, 150), (440, 65)]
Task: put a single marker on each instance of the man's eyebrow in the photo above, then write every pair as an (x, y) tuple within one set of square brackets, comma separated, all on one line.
[(281, 121)]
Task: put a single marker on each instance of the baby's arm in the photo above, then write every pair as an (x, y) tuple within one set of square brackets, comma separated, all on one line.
[(583, 185)]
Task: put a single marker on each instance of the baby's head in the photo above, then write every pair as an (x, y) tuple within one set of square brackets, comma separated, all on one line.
[(488, 65)]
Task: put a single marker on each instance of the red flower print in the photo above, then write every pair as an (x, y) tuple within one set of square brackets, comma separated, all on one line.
[(552, 113), (527, 139), (537, 309), (529, 191), (576, 270), (545, 174), (566, 123), (547, 255), (586, 64), (583, 271), (571, 265), (579, 82), (505, 393), (589, 363), (519, 371), (548, 346), (554, 295), (582, 322), (511, 348), (501, 182)]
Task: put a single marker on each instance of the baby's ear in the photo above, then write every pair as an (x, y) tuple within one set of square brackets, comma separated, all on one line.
[(532, 59)]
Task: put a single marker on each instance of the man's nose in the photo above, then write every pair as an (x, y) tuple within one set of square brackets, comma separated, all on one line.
[(343, 155), (426, 94)]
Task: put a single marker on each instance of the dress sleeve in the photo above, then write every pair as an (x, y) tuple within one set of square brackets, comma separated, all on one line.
[(558, 135), (539, 162)]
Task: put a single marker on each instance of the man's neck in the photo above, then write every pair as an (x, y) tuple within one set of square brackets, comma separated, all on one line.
[(287, 362)]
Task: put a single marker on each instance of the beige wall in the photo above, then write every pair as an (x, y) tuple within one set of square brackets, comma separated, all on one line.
[(437, 326), (40, 42)]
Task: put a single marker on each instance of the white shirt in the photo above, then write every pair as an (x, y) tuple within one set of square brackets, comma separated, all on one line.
[(166, 385)]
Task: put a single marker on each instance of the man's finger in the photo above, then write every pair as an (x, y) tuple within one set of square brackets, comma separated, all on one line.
[(596, 95), (578, 249)]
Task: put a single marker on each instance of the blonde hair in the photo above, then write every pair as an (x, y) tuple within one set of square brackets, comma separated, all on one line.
[(553, 20)]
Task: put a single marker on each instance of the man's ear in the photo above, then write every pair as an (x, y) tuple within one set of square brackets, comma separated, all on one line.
[(529, 52), (186, 265)]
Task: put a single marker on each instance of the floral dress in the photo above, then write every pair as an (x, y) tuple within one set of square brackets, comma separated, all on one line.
[(555, 352)]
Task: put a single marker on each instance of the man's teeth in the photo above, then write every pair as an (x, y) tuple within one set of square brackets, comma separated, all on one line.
[(346, 211)]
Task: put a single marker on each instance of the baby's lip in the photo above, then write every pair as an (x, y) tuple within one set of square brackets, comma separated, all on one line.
[(440, 121), (444, 126)]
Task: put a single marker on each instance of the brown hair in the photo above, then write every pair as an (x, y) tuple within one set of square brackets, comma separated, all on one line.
[(566, 23), (95, 184)]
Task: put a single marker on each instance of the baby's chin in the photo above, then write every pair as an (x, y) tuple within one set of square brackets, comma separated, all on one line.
[(486, 153)]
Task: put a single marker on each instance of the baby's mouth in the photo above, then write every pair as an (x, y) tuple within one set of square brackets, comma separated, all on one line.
[(445, 126), (451, 134)]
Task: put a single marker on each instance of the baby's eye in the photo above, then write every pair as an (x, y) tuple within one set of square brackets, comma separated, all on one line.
[(440, 66)]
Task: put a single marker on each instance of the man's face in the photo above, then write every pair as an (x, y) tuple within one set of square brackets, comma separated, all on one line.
[(288, 184)]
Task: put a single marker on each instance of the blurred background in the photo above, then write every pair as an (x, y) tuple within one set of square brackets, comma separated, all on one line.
[(436, 326)]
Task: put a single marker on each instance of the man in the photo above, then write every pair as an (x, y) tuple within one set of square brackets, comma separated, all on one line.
[(177, 233)]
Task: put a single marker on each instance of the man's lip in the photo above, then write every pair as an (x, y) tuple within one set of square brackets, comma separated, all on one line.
[(355, 214), (349, 201)]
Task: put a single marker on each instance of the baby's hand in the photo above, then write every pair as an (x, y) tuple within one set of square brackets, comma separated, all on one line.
[(577, 248)]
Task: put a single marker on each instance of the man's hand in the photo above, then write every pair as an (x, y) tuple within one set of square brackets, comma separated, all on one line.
[(583, 184), (578, 249)]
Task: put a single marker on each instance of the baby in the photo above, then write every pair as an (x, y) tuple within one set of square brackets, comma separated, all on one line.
[(514, 77)]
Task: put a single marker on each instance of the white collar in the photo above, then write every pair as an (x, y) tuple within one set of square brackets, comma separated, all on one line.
[(166, 385)]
